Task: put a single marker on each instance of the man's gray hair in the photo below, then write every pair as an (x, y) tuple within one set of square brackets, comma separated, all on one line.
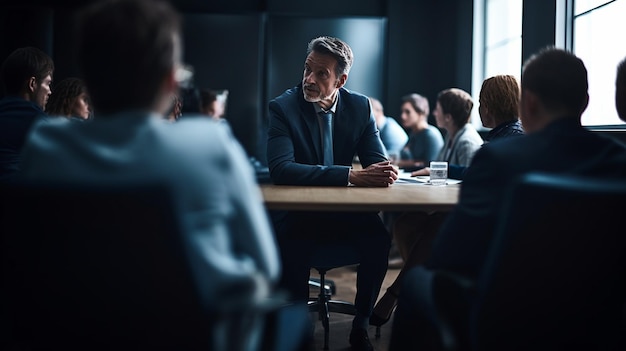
[(335, 47)]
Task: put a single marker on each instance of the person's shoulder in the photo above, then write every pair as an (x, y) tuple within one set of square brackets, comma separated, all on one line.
[(346, 93), (470, 127), (199, 123), (288, 94), (433, 131), (470, 132), (354, 102), (510, 146), (13, 105), (201, 132), (392, 121), (46, 130), (47, 123)]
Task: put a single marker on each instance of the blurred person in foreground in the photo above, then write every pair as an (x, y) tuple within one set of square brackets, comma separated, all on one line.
[(26, 75), (553, 97), (228, 238), (297, 156)]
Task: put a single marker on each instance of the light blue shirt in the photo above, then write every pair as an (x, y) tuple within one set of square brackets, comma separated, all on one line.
[(226, 232), (393, 136)]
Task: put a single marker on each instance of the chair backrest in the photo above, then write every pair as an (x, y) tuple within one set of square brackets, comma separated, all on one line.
[(97, 267), (554, 276), (333, 255)]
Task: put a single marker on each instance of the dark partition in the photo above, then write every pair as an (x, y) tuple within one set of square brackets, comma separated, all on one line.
[(287, 43), (226, 52), (24, 26)]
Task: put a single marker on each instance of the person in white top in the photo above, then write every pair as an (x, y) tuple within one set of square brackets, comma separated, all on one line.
[(452, 113)]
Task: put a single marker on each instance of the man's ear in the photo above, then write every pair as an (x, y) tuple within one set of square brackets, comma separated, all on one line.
[(530, 103), (342, 81), (530, 108), (32, 84)]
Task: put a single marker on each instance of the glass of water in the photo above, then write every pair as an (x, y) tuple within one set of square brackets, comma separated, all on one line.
[(438, 172)]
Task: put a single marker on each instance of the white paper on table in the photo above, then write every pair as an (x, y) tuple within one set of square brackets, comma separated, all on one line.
[(405, 177)]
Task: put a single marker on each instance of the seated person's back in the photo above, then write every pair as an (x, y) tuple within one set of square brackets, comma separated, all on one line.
[(230, 246)]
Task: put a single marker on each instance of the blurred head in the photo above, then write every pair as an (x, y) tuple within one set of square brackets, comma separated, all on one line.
[(212, 103), (377, 110), (620, 90), (499, 100), (69, 98), (130, 52), (554, 85), (415, 108), (326, 70), (27, 72), (454, 107)]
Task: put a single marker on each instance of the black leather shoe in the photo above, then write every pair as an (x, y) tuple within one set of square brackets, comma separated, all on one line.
[(383, 309), (359, 341)]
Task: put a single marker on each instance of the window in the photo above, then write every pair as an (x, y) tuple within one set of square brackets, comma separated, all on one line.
[(598, 28), (497, 44), (591, 29)]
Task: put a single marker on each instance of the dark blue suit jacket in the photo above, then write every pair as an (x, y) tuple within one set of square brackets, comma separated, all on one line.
[(17, 116), (294, 150), (562, 147)]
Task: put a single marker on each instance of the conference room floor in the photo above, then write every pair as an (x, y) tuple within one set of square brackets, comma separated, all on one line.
[(340, 325)]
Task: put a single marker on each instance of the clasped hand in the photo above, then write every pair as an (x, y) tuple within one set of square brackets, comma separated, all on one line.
[(379, 174)]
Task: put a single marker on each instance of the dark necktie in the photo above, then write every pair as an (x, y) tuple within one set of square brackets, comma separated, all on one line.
[(327, 137)]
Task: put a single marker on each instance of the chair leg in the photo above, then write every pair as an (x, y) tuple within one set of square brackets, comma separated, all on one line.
[(324, 314), (324, 305), (378, 332)]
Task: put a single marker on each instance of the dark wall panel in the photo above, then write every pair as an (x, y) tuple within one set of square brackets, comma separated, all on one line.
[(25, 26), (430, 49), (325, 8), (286, 53), (537, 26), (65, 45), (226, 52)]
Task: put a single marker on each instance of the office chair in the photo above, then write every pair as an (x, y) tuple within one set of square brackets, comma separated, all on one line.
[(103, 267), (325, 258), (97, 267), (555, 275)]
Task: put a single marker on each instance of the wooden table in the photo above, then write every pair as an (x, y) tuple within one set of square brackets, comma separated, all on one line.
[(397, 197)]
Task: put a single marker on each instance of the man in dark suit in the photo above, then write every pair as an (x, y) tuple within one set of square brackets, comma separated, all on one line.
[(297, 156), (26, 75), (554, 96)]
